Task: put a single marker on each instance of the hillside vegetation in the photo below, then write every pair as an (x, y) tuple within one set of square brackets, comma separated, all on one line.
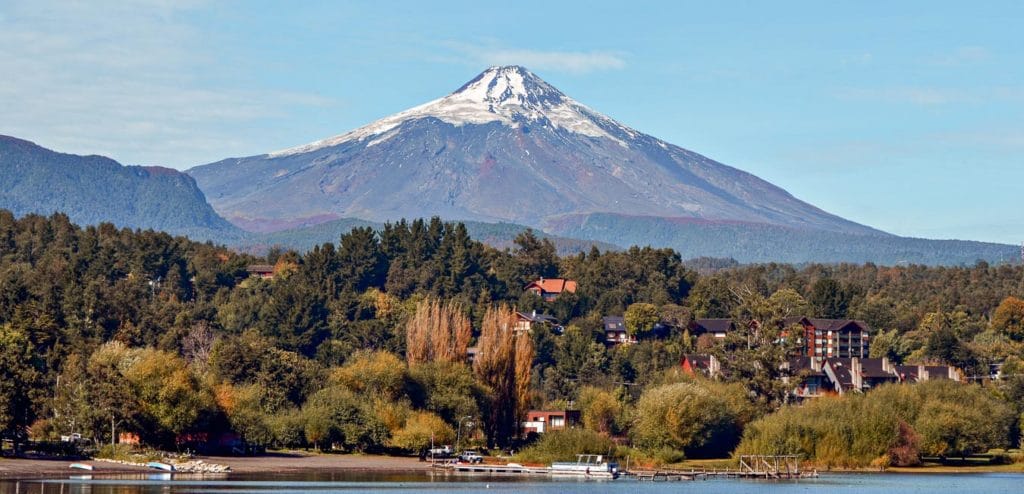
[(361, 345), (94, 189)]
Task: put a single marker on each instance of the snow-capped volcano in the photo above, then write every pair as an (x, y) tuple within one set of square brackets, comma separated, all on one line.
[(506, 146), (510, 95)]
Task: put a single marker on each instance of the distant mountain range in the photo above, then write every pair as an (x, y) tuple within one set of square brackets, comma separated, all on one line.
[(509, 147), (94, 189), (505, 152), (506, 146)]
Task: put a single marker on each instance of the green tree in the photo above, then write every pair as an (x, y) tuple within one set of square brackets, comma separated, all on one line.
[(537, 257), (19, 378), (830, 299), (601, 410), (421, 430), (247, 413), (712, 298), (787, 302), (171, 400), (887, 345), (684, 416), (448, 389), (641, 318), (1009, 318)]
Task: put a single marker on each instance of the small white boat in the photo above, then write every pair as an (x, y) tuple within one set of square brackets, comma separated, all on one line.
[(167, 467), (81, 466), (590, 466)]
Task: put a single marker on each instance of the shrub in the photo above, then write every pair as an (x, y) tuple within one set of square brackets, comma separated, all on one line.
[(685, 417), (564, 445), (891, 424)]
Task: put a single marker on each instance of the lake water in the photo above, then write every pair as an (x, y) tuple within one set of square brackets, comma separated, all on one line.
[(328, 482)]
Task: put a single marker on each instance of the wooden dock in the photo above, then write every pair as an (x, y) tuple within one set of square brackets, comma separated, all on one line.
[(766, 467), (490, 469)]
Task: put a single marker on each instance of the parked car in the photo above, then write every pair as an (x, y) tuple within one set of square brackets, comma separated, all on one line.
[(72, 438), (441, 452), (471, 456)]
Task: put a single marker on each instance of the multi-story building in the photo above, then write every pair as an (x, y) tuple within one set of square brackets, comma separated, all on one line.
[(832, 338)]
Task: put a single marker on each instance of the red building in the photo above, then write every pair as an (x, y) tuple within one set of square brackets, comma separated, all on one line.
[(261, 271), (832, 338), (550, 289), (541, 421), (705, 364)]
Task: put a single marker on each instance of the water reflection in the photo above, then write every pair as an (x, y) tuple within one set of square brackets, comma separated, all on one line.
[(345, 482)]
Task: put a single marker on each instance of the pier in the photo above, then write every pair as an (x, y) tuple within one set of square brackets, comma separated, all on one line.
[(767, 467), (753, 467)]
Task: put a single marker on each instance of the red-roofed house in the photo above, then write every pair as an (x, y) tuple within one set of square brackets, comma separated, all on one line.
[(550, 289), (705, 364), (262, 271)]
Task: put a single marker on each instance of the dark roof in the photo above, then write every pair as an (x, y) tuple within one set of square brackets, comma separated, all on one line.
[(872, 367), (937, 371), (841, 368), (260, 268), (827, 324), (907, 372), (534, 317), (712, 326), (613, 323), (698, 360), (802, 365)]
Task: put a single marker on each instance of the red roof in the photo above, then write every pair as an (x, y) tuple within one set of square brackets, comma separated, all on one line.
[(553, 285)]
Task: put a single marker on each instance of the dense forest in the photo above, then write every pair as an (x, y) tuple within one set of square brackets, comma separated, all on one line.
[(361, 344), (93, 189)]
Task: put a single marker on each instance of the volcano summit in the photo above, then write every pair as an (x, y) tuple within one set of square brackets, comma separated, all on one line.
[(506, 146), (509, 147)]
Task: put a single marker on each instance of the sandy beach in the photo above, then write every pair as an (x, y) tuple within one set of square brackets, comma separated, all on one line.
[(18, 468)]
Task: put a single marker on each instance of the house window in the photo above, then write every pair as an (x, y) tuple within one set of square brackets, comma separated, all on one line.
[(557, 421)]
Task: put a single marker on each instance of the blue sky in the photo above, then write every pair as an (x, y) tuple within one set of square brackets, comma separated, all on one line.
[(906, 116)]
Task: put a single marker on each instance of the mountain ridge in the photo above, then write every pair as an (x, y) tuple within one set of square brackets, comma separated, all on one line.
[(506, 146), (93, 189)]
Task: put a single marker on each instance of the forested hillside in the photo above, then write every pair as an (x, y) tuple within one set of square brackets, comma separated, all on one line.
[(361, 344), (751, 242), (95, 189), (498, 235)]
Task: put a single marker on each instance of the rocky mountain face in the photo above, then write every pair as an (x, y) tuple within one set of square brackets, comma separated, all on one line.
[(94, 189), (506, 146)]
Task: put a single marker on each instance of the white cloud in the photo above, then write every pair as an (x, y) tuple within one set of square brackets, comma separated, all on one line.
[(933, 96), (964, 55), (574, 62), (126, 79)]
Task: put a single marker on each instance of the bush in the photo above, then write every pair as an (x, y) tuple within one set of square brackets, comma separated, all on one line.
[(896, 423), (121, 452), (564, 445), (685, 417), (420, 429)]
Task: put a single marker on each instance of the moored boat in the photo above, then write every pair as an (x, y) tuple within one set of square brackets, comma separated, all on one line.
[(167, 467), (592, 466)]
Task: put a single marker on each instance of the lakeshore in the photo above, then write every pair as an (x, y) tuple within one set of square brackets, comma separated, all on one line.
[(299, 462), (275, 463)]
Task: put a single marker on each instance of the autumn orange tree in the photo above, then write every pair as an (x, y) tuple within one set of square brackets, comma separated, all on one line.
[(437, 332), (503, 363)]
